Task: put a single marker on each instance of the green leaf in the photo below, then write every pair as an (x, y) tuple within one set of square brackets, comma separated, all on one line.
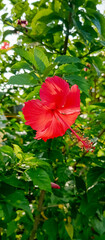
[(40, 59), (14, 181), (1, 212), (1, 94), (35, 162), (1, 5), (67, 69), (40, 178), (8, 32), (69, 229), (101, 19), (18, 151), (100, 237), (50, 227), (100, 104), (23, 79), (18, 200), (80, 81), (22, 64), (99, 226), (48, 70), (11, 228), (97, 70), (26, 55), (19, 8), (34, 93), (80, 184), (97, 24), (55, 29), (41, 14), (66, 59), (8, 150), (94, 174)]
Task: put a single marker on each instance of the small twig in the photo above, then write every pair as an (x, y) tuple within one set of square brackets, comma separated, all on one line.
[(101, 133), (91, 52), (37, 217), (50, 206), (67, 34)]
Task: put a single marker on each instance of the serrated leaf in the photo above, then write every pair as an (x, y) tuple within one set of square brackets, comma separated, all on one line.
[(40, 178), (19, 8), (67, 59), (23, 79), (80, 81), (26, 55), (21, 65), (67, 69), (40, 59), (48, 70)]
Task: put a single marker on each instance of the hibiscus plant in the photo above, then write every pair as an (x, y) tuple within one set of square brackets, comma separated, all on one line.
[(52, 120)]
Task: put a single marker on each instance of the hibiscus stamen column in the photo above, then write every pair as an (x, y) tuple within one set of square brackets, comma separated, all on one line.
[(86, 143)]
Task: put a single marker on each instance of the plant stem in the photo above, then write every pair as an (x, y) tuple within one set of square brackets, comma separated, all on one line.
[(67, 34), (37, 217)]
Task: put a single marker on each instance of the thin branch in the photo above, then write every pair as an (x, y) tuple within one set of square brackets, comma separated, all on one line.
[(37, 217), (101, 133), (51, 206), (67, 33), (91, 52), (23, 30)]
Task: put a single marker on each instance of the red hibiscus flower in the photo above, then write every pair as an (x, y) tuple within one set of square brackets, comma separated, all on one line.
[(56, 111), (5, 45)]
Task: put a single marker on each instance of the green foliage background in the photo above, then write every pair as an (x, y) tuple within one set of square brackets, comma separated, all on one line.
[(64, 38)]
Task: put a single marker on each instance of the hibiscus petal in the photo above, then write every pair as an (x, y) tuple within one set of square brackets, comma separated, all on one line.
[(72, 103), (69, 119), (36, 114), (55, 128), (54, 91)]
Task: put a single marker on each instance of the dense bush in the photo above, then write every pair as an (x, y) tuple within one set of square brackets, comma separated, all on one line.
[(65, 38)]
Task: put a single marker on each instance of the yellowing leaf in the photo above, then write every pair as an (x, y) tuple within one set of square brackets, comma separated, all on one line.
[(69, 229), (17, 151)]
